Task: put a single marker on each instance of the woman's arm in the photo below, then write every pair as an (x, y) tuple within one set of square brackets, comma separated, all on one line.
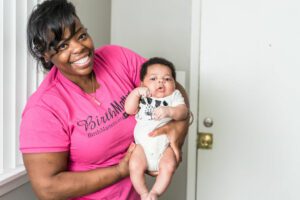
[(51, 180)]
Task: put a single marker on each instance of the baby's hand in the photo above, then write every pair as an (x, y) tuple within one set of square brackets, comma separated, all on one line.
[(162, 112), (143, 92)]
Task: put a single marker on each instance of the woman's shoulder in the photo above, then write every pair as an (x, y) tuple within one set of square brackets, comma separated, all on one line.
[(111, 48), (45, 95), (44, 99), (108, 50), (116, 51)]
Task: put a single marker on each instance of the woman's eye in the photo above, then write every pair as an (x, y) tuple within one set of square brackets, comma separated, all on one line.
[(83, 36), (62, 47)]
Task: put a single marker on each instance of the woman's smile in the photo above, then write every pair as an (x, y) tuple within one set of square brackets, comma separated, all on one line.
[(82, 62)]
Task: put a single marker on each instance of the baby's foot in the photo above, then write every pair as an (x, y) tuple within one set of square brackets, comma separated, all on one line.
[(144, 196), (152, 196)]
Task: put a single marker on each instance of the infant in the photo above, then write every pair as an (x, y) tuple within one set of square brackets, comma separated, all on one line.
[(154, 103)]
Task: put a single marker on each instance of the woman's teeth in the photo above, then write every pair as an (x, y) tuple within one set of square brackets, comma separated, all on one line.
[(81, 61)]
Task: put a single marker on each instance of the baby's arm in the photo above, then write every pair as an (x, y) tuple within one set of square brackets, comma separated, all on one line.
[(133, 99), (177, 113)]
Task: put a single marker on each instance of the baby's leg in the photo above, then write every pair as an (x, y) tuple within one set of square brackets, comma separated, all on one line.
[(167, 167), (137, 168)]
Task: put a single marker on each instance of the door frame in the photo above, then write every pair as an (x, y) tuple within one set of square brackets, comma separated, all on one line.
[(191, 188)]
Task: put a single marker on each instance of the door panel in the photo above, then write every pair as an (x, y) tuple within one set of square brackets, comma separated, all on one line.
[(249, 84)]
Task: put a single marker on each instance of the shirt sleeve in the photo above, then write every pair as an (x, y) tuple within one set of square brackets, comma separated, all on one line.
[(122, 61), (41, 131), (177, 98), (133, 63)]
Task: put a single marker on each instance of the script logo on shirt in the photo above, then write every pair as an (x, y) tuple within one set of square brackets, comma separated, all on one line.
[(94, 125)]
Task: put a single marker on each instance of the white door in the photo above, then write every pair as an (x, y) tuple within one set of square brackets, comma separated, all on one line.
[(250, 86)]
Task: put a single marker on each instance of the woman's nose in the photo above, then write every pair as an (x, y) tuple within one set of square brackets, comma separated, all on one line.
[(77, 47)]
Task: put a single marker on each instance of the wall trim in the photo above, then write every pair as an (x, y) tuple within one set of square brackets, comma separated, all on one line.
[(191, 187), (12, 179)]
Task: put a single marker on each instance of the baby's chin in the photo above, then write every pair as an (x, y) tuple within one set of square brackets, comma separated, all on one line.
[(160, 94)]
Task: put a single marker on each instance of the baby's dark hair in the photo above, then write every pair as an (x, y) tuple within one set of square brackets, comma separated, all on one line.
[(153, 61), (46, 26)]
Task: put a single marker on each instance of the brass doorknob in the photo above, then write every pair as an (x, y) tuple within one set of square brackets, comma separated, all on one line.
[(204, 140)]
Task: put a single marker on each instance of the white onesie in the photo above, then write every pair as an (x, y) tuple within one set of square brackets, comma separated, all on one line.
[(153, 146)]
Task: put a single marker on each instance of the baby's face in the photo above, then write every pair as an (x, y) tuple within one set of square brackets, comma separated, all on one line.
[(159, 80)]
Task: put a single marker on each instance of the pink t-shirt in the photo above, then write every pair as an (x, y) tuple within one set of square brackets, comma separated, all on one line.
[(59, 116)]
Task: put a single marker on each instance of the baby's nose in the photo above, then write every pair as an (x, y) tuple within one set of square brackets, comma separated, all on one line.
[(160, 80)]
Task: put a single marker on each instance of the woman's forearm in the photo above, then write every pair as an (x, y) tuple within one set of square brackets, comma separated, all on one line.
[(179, 112), (51, 180), (74, 184)]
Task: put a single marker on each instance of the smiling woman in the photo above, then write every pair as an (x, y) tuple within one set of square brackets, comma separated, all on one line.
[(66, 154)]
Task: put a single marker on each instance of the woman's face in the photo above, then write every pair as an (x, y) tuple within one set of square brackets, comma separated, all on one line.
[(75, 53), (159, 80)]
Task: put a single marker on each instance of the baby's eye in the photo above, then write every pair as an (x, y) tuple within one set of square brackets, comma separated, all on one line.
[(153, 78), (168, 79)]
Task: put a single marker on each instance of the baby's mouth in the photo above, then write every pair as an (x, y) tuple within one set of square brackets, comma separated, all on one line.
[(160, 88)]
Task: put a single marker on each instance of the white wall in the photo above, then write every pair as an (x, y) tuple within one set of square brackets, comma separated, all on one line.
[(18, 80), (157, 28), (95, 16), (154, 28)]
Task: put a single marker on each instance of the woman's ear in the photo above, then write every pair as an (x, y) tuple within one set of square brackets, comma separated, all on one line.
[(46, 57)]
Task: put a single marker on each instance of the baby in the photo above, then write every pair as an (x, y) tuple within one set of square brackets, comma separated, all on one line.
[(155, 103)]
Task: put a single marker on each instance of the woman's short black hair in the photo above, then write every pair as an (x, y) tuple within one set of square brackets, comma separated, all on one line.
[(46, 26), (156, 60)]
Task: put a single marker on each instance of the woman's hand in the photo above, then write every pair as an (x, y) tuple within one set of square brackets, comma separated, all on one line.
[(123, 166), (176, 132)]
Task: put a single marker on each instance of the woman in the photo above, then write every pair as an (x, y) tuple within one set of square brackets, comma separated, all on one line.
[(76, 138)]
